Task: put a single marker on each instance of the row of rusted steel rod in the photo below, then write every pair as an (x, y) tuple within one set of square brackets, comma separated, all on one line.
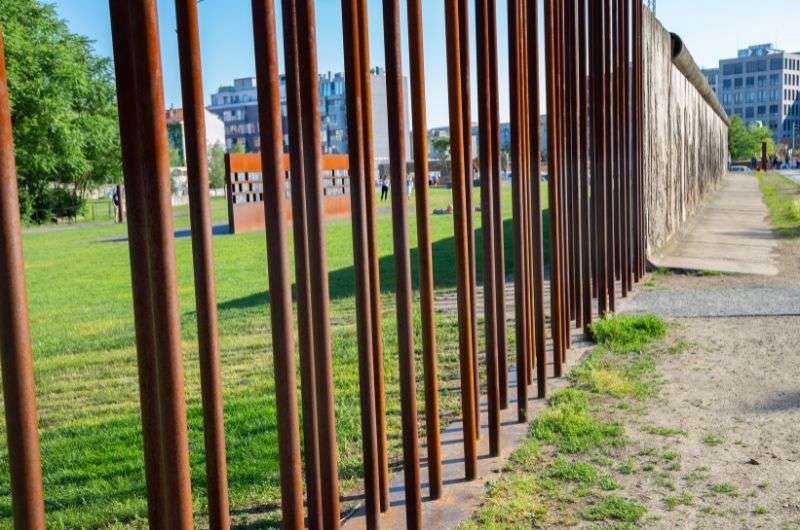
[(597, 228), (594, 124)]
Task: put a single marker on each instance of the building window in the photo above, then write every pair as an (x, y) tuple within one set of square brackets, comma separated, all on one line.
[(726, 83), (738, 82), (732, 69), (762, 109), (775, 79), (773, 109), (775, 64), (748, 112), (750, 81)]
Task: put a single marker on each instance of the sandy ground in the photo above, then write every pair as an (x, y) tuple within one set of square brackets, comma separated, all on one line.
[(728, 453)]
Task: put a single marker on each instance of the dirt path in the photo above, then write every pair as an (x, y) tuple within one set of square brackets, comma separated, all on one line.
[(728, 413)]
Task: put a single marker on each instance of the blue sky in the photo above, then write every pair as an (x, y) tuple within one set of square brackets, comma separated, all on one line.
[(712, 29)]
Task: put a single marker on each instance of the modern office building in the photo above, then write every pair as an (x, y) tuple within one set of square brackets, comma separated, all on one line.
[(237, 106), (762, 85)]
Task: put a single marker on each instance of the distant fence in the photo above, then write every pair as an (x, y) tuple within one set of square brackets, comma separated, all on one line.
[(245, 189), (597, 220), (685, 149)]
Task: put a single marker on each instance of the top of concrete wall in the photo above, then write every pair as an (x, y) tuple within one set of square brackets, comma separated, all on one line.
[(685, 63)]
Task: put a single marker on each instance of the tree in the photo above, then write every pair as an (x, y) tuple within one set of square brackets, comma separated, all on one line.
[(63, 111), (441, 146), (216, 166), (744, 142), (740, 142)]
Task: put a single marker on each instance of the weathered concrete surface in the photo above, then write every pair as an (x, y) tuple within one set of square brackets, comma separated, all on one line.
[(685, 148), (729, 234)]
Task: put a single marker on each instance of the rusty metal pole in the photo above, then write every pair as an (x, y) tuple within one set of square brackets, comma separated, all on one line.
[(353, 65), (638, 199), (203, 253), (466, 110), (540, 344), (461, 236), (163, 281), (269, 115), (374, 268), (517, 209), (487, 223), (497, 209), (302, 267), (137, 246), (556, 292), (309, 87), (405, 332), (19, 392), (525, 176), (420, 140), (584, 128)]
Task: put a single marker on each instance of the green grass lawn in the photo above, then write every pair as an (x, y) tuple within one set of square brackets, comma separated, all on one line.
[(83, 341), (782, 196)]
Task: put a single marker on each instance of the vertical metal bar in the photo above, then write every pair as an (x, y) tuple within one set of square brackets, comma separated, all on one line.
[(163, 282), (353, 65), (269, 116), (540, 345), (608, 144), (420, 140), (583, 127), (309, 87), (19, 392), (553, 185), (461, 237), (138, 250), (466, 110), (487, 223), (497, 209), (302, 267), (517, 208), (525, 176), (638, 139), (203, 253), (374, 268), (405, 332)]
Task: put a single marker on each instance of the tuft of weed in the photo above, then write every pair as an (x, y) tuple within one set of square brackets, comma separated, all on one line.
[(615, 508), (573, 471), (673, 501), (569, 425), (712, 439), (725, 488), (628, 333), (511, 502), (664, 431)]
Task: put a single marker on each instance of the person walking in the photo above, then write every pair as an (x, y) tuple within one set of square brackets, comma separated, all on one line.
[(384, 188)]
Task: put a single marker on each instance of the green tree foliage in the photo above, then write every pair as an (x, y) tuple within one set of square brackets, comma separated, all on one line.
[(744, 142), (63, 111), (216, 166)]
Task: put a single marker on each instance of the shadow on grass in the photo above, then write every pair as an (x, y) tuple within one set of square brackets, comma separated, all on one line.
[(342, 281)]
